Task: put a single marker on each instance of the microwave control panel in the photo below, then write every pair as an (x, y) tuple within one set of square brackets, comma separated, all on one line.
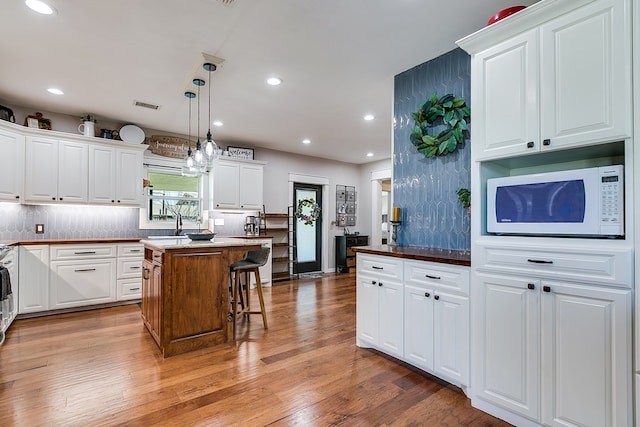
[(611, 195)]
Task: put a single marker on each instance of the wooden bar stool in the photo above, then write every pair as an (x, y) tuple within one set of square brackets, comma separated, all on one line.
[(251, 263)]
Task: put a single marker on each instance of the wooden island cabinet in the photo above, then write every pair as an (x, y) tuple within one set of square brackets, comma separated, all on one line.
[(185, 297)]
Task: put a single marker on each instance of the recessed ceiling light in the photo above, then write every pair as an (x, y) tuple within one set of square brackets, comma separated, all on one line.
[(55, 91), (369, 154), (40, 7), (306, 141), (218, 123), (369, 117), (274, 81)]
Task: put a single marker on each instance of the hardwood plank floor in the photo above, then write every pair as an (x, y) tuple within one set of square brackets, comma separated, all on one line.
[(101, 367)]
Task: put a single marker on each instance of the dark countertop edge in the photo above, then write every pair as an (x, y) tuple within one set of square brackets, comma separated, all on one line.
[(445, 256), (71, 241)]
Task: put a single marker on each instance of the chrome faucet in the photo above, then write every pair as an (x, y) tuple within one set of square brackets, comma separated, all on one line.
[(178, 224)]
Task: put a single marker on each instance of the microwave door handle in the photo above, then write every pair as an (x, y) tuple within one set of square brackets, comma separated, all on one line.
[(540, 261)]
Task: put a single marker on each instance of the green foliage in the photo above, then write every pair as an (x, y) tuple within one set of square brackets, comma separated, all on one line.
[(453, 112), (464, 197)]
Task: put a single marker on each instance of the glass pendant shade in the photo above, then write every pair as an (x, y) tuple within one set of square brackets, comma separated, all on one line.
[(188, 169), (210, 146)]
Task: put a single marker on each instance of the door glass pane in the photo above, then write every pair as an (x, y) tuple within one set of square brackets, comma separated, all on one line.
[(305, 234)]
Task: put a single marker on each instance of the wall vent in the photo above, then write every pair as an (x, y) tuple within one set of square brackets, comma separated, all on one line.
[(227, 2), (146, 105)]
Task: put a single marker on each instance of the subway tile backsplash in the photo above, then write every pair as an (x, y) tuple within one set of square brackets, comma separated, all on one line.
[(424, 188)]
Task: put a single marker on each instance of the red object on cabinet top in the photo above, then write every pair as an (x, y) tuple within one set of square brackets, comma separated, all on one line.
[(504, 13)]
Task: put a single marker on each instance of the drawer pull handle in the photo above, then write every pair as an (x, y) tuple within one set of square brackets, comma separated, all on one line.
[(85, 253), (375, 267), (84, 269), (135, 250), (531, 286), (7, 263), (427, 294), (428, 276), (540, 261), (135, 268), (134, 289), (546, 288)]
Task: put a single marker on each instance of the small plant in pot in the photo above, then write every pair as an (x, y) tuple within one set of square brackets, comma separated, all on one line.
[(464, 197), (89, 118)]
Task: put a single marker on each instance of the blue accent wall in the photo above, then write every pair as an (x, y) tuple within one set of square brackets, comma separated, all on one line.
[(425, 189)]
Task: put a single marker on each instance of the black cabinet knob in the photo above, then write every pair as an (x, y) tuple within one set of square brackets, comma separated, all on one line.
[(373, 282), (60, 198), (436, 297), (17, 197), (530, 144), (546, 142), (531, 286), (427, 294), (546, 288), (379, 283), (53, 198)]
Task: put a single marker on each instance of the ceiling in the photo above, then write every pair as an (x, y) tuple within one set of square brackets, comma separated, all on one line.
[(337, 60)]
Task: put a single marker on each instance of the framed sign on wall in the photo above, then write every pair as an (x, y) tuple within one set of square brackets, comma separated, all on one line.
[(240, 153)]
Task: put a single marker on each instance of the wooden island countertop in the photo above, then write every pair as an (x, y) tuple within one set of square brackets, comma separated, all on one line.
[(185, 291)]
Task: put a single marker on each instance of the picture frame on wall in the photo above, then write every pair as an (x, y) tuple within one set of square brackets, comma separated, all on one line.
[(240, 153)]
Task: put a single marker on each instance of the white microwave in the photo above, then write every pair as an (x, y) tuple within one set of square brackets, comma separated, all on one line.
[(578, 202)]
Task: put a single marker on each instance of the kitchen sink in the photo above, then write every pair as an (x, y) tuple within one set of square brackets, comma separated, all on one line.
[(166, 237)]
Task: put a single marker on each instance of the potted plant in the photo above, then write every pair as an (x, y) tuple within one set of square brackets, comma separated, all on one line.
[(464, 197), (88, 125)]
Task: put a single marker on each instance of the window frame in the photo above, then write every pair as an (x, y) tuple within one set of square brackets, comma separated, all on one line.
[(170, 167)]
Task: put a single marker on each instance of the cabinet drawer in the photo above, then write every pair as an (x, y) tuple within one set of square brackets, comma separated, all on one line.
[(425, 274), (63, 252), (380, 266), (607, 266), (129, 289), (131, 250), (129, 268), (85, 282)]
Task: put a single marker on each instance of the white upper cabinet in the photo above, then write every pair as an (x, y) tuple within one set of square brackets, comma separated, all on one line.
[(11, 166), (115, 176), (506, 121), (56, 170), (237, 185), (586, 75), (555, 84)]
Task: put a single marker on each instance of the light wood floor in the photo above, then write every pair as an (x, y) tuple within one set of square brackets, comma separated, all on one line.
[(101, 367)]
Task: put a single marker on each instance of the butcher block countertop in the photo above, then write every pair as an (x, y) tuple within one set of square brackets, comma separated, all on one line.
[(445, 256)]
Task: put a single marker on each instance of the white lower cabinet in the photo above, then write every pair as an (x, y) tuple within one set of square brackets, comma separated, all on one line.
[(33, 282), (82, 282), (416, 311), (129, 271), (54, 277), (379, 305), (553, 352), (436, 319)]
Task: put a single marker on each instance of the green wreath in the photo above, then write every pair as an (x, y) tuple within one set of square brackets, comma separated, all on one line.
[(310, 206), (454, 113)]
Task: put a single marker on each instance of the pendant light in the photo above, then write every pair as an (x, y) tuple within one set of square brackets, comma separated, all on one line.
[(189, 168), (198, 155), (210, 146)]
